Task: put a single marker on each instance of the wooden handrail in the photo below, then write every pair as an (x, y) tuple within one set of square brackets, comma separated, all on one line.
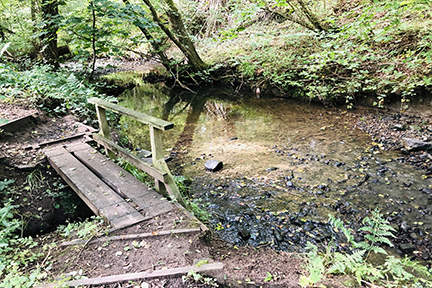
[(141, 117), (157, 126)]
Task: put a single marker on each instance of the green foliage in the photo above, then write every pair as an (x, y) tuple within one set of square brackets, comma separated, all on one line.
[(93, 227), (394, 272), (55, 92), (381, 50), (136, 172), (315, 267), (194, 277), (4, 185), (34, 180), (269, 277), (110, 34), (16, 253)]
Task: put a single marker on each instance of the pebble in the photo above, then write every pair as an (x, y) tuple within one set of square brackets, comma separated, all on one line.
[(404, 226), (407, 248), (244, 234)]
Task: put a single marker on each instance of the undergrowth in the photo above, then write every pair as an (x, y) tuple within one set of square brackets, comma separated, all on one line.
[(55, 92), (394, 272), (372, 48), (17, 254), (93, 227)]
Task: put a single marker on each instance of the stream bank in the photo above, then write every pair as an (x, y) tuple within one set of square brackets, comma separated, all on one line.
[(289, 164)]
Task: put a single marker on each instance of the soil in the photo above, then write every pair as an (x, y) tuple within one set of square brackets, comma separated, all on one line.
[(48, 202)]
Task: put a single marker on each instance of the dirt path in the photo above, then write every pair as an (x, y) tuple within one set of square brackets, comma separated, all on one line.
[(22, 155)]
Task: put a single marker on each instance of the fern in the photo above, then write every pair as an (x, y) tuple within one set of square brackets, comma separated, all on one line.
[(338, 224), (315, 266), (377, 232)]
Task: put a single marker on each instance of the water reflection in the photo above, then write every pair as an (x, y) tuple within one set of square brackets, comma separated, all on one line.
[(286, 164)]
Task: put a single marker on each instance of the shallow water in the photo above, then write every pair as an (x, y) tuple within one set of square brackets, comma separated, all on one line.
[(287, 166)]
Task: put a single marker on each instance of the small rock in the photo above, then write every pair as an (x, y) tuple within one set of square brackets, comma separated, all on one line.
[(271, 169), (413, 236), (411, 144), (407, 248), (144, 154), (278, 236), (416, 127), (244, 234), (426, 191), (404, 226), (399, 127), (213, 165), (290, 184)]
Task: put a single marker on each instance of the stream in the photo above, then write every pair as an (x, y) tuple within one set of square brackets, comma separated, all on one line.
[(287, 166)]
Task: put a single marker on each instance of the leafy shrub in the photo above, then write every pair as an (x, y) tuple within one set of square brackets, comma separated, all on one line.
[(394, 272), (56, 92), (92, 227)]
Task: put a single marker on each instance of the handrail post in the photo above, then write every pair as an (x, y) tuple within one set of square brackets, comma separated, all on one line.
[(159, 162), (104, 128), (157, 154), (156, 126)]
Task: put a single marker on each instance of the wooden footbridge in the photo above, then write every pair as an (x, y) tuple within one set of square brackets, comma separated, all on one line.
[(106, 188)]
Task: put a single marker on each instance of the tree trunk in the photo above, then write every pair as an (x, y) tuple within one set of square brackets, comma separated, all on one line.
[(48, 38), (183, 37), (186, 46), (33, 13), (93, 39), (153, 42), (311, 16)]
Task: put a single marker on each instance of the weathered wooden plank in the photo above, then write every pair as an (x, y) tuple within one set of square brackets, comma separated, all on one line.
[(168, 183), (142, 275), (141, 117), (104, 128), (134, 160), (149, 200), (20, 123), (161, 208), (132, 236), (94, 192), (123, 181)]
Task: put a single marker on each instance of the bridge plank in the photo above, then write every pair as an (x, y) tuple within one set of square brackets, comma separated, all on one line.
[(172, 272), (93, 191), (147, 199)]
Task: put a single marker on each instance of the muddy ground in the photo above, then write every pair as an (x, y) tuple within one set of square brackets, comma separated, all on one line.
[(46, 202)]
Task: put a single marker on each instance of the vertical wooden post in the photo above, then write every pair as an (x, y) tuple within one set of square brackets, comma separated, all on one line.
[(159, 162), (157, 154), (104, 128)]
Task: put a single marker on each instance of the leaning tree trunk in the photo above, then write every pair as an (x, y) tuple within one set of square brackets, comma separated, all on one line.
[(48, 38), (183, 37), (157, 48), (186, 46)]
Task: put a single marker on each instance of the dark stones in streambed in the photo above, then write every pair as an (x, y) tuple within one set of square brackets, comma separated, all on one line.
[(213, 165), (411, 144), (244, 234), (271, 169), (426, 191), (407, 248)]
